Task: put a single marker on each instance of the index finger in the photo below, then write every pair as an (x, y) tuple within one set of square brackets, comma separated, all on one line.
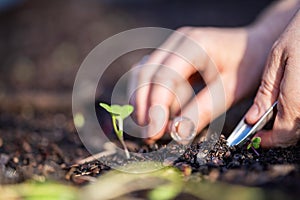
[(176, 69)]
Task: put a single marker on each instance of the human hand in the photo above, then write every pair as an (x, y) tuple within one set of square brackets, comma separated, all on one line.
[(281, 81), (234, 55)]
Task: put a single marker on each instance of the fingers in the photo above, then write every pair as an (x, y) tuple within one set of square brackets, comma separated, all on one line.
[(163, 91), (286, 128), (148, 70), (211, 101), (177, 68), (269, 88), (173, 72), (183, 94)]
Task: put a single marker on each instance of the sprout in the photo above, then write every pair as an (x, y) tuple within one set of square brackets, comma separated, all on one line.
[(118, 114), (254, 144)]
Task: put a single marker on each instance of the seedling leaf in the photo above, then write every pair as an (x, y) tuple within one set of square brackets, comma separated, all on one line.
[(256, 142), (106, 107), (122, 111), (117, 110), (118, 114)]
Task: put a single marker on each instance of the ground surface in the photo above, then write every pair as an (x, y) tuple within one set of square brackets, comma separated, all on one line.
[(42, 44)]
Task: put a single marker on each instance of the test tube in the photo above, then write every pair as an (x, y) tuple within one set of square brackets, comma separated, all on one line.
[(183, 130)]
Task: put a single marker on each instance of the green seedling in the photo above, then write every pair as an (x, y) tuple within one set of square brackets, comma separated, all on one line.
[(254, 144), (118, 114)]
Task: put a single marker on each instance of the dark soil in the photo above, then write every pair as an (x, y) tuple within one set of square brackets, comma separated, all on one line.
[(37, 148), (243, 166), (234, 165)]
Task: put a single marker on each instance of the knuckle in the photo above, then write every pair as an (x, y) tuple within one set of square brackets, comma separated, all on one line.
[(266, 87), (276, 50)]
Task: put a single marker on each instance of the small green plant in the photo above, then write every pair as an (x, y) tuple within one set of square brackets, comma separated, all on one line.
[(254, 144), (118, 114)]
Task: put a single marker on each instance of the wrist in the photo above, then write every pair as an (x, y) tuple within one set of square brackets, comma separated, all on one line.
[(261, 33)]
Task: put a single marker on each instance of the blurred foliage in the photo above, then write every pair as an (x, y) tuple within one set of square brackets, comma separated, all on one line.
[(38, 191), (163, 184)]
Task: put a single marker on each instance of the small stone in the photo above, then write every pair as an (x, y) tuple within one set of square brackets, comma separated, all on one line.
[(227, 154), (217, 161), (186, 169), (16, 160), (214, 175), (63, 166)]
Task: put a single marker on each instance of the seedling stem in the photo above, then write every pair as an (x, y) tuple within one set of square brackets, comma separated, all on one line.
[(118, 114), (254, 144)]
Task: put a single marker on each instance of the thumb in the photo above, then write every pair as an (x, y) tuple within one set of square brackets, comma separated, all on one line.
[(269, 88)]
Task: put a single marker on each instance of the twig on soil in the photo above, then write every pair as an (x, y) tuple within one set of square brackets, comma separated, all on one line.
[(109, 149)]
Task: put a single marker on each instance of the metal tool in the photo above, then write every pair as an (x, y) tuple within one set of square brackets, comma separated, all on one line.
[(243, 130)]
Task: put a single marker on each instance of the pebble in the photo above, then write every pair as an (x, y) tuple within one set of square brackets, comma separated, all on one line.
[(186, 169), (15, 160), (217, 161), (227, 154)]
